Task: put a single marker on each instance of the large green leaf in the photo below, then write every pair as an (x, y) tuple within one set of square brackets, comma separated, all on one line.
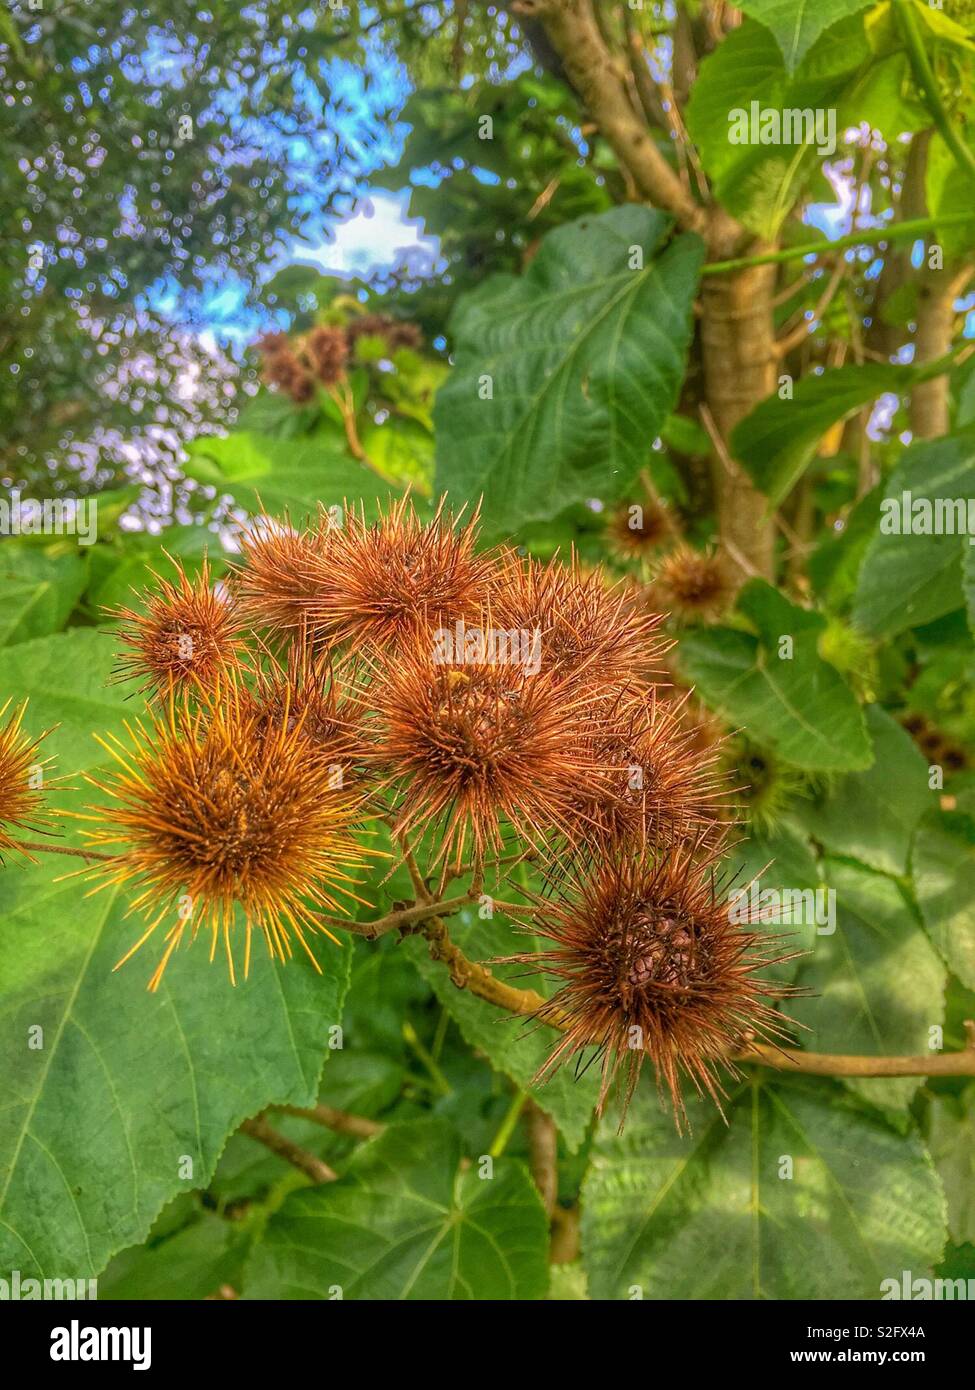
[(877, 983), (66, 680), (943, 865), (584, 355), (778, 440), (712, 1215), (797, 24), (37, 591), (509, 1044), (188, 1261), (759, 182), (120, 571), (798, 705), (127, 1085), (780, 860), (96, 1121), (263, 473), (411, 1219), (952, 1141), (872, 815), (910, 579)]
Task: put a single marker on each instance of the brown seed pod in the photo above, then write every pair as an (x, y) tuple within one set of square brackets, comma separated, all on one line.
[(378, 582), (588, 630), (326, 703), (694, 585), (651, 965), (278, 576), (637, 530), (21, 779), (645, 786), (188, 634), (215, 809), (326, 352), (281, 370), (471, 747), (396, 332)]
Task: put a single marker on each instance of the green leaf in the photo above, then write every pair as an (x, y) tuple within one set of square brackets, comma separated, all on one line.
[(505, 1041), (119, 569), (711, 1215), (907, 580), (952, 1142), (128, 1085), (968, 581), (37, 591), (409, 1220), (97, 1121), (65, 679), (778, 440), (273, 475), (758, 182), (797, 24), (191, 1262), (802, 707), (877, 984), (872, 815), (585, 356), (780, 859), (948, 189), (943, 866)]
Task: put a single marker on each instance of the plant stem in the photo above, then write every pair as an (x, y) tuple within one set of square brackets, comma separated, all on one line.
[(292, 1153), (467, 974), (40, 846), (543, 1150), (869, 236), (925, 78), (402, 917), (507, 1127), (340, 1121), (440, 1082)]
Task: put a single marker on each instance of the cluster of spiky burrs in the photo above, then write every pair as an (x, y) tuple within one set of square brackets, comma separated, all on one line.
[(483, 705)]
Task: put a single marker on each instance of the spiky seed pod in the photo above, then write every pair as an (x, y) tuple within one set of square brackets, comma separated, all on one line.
[(21, 779), (636, 531), (278, 576), (326, 352), (188, 634), (378, 582), (651, 965), (588, 630), (281, 370), (213, 809), (765, 788), (936, 745), (645, 784), (309, 693), (693, 585), (396, 333), (852, 653), (471, 747)]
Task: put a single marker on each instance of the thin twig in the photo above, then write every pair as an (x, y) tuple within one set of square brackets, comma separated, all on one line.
[(42, 847), (292, 1153), (400, 919), (340, 1121)]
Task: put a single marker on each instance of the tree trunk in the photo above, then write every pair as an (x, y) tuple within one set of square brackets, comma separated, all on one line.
[(738, 351), (937, 292)]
